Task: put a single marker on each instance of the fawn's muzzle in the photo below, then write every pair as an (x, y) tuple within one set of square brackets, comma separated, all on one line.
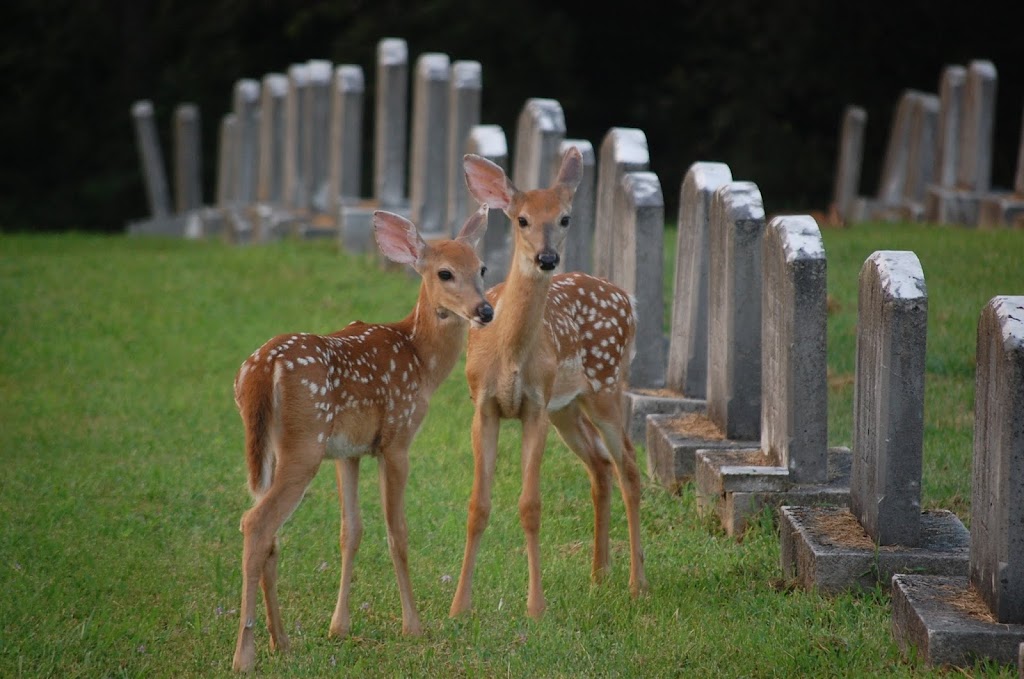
[(547, 260), (485, 312)]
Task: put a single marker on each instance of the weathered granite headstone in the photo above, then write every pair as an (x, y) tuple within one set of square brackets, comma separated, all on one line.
[(226, 161), (488, 141), (849, 162), (793, 462), (273, 101), (316, 132), (894, 163), (947, 149), (151, 159), (296, 183), (540, 130), (931, 613), (464, 114), (188, 178), (428, 194), (1006, 208), (920, 155), (346, 153), (883, 531), (641, 219), (246, 107), (579, 244), (623, 149), (733, 410)]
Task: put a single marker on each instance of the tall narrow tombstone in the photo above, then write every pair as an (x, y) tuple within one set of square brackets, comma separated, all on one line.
[(881, 530), (391, 123), (623, 149), (295, 180), (894, 164), (226, 160), (641, 218), (580, 241), (273, 102), (316, 131), (939, 197), (920, 155), (932, 614), (974, 171), (345, 162), (849, 162), (688, 344), (464, 115), (489, 142), (540, 130), (429, 169), (793, 462), (151, 159), (188, 178), (246, 107)]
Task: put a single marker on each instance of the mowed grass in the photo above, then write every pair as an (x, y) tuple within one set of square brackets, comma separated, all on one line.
[(123, 481)]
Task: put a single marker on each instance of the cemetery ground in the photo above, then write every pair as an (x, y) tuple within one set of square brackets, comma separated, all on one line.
[(123, 481)]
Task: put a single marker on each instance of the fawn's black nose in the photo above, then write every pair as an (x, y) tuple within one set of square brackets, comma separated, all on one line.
[(547, 259), (485, 312)]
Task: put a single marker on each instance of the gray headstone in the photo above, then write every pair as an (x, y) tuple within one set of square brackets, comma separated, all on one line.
[(894, 164), (888, 398), (296, 183), (794, 380), (391, 121), (978, 125), (641, 220), (849, 161), (273, 102), (921, 151), (1018, 182), (246, 107), (225, 190), (464, 114), (188, 166), (495, 247), (580, 241), (428, 193), (151, 159), (540, 130), (688, 338), (997, 489), (623, 149), (317, 130), (734, 310), (345, 160), (951, 102)]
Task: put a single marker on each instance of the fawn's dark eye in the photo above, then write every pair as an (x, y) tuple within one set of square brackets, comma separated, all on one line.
[(523, 222), (445, 275), (483, 270), (564, 221)]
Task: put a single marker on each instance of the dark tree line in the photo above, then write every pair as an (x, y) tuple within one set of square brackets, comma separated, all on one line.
[(760, 86)]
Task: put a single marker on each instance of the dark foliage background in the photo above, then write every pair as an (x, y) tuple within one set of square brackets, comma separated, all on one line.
[(758, 85)]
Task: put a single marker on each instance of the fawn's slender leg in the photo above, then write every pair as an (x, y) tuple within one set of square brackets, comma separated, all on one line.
[(347, 473), (393, 472), (259, 528), (535, 430), (485, 450), (608, 417), (583, 439), (278, 637)]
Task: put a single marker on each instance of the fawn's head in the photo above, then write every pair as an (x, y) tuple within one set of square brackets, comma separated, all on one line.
[(540, 218), (452, 273)]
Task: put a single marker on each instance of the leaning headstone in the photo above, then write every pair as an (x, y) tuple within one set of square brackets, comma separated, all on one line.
[(733, 411), (920, 155), (848, 162), (464, 115), (956, 621), (1006, 208), (345, 163), (623, 149), (580, 241), (316, 131), (151, 159), (793, 462), (883, 530), (489, 142), (428, 193), (894, 163), (641, 219), (188, 179), (540, 130), (947, 148)]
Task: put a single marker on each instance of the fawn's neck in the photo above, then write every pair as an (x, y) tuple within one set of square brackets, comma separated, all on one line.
[(520, 312), (438, 336)]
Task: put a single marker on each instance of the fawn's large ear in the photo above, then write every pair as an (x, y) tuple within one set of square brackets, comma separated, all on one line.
[(487, 182), (397, 237), (571, 171), (474, 227)]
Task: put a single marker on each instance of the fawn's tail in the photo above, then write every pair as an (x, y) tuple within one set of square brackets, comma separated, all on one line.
[(254, 394)]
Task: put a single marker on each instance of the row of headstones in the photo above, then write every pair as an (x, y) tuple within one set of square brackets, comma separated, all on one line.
[(938, 160), (744, 415)]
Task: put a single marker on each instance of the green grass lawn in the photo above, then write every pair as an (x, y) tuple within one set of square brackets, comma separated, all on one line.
[(123, 481)]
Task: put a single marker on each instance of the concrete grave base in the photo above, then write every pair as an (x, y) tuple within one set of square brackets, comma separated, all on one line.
[(826, 549), (1002, 210), (672, 444), (945, 620), (355, 225), (639, 403), (737, 484), (950, 206)]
